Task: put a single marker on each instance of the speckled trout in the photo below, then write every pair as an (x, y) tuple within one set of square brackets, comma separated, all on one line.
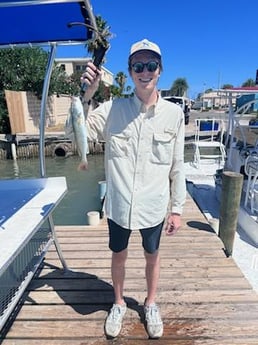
[(76, 124)]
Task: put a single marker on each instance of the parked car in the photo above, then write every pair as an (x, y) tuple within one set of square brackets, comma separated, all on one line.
[(197, 105), (183, 103)]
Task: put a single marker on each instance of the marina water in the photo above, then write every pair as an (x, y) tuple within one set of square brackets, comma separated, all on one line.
[(83, 193), (83, 187)]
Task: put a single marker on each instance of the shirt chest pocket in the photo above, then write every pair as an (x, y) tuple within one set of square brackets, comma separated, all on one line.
[(162, 147), (119, 145)]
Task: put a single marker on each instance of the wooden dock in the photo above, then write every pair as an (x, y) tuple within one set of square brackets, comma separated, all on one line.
[(203, 296)]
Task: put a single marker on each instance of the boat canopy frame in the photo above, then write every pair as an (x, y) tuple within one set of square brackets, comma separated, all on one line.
[(234, 117), (45, 23)]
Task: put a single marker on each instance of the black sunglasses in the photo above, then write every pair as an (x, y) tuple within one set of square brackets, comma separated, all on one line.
[(151, 66)]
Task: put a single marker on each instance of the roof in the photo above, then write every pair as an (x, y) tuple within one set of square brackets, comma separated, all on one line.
[(245, 88), (41, 22), (238, 90)]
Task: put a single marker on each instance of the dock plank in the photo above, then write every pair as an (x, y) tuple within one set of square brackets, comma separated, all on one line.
[(203, 296), (133, 328)]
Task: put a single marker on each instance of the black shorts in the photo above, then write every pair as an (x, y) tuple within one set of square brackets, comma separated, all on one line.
[(119, 237)]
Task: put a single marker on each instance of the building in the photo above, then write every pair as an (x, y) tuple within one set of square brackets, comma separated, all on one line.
[(244, 99), (72, 65), (220, 98), (215, 99), (245, 95)]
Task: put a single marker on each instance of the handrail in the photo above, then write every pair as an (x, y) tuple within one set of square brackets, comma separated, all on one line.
[(233, 123), (50, 64)]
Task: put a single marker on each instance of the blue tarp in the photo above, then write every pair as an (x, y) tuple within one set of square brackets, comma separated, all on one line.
[(42, 22)]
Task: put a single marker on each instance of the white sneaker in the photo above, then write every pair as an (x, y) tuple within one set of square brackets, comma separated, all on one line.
[(153, 320), (114, 320)]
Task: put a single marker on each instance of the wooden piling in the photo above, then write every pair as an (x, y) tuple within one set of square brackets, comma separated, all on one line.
[(230, 201)]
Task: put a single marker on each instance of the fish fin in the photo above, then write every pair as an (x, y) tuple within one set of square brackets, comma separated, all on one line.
[(82, 166)]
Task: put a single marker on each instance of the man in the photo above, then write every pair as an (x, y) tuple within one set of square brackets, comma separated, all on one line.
[(144, 158)]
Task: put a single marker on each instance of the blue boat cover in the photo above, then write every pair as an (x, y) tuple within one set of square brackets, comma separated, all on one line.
[(41, 22), (11, 202)]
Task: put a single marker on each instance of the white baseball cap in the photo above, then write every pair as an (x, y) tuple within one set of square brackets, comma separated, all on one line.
[(145, 45)]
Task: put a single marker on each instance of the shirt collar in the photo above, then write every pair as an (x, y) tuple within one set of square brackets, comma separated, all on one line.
[(141, 107)]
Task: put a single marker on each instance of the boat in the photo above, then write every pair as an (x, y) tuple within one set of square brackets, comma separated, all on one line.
[(27, 204), (204, 175)]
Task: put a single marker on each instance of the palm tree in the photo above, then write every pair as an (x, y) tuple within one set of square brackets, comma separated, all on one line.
[(227, 86), (120, 79), (179, 87), (249, 82), (100, 39)]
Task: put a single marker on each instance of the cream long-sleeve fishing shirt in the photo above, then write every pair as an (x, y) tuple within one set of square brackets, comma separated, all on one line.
[(144, 159)]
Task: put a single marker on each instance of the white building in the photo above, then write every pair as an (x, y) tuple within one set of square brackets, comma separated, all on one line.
[(72, 65)]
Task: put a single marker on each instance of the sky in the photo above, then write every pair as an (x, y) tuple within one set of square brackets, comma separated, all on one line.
[(209, 43)]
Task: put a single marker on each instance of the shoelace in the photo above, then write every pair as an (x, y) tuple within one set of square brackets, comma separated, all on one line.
[(153, 314), (115, 313)]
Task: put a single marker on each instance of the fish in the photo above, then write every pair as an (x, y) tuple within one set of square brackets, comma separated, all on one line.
[(77, 125)]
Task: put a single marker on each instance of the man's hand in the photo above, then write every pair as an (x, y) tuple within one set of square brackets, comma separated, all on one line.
[(91, 77), (173, 223)]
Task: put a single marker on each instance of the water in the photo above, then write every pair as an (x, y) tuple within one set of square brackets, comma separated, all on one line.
[(83, 189)]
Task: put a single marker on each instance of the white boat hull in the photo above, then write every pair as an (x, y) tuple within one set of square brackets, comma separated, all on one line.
[(207, 195), (249, 224)]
